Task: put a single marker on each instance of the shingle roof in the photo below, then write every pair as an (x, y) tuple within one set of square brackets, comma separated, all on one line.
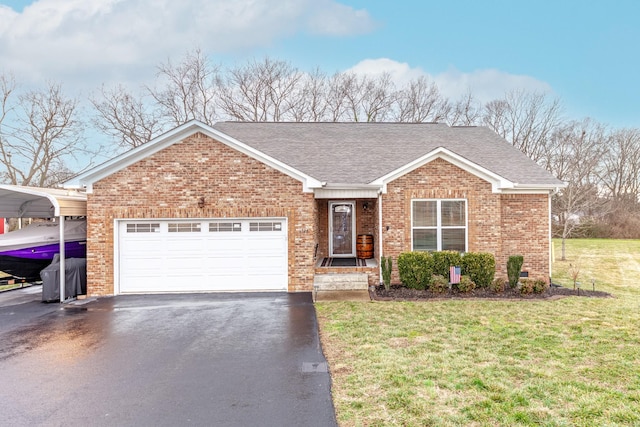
[(359, 153)]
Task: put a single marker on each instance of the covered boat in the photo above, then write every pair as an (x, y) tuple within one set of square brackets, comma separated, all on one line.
[(25, 252)]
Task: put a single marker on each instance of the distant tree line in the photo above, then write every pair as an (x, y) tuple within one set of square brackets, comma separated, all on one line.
[(41, 130)]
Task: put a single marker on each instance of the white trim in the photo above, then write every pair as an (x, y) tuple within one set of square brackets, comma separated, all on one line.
[(341, 193), (551, 260), (439, 227), (87, 179), (353, 227), (497, 182), (380, 252), (527, 191)]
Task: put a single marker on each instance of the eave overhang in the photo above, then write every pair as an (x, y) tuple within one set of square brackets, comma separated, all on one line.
[(499, 184)]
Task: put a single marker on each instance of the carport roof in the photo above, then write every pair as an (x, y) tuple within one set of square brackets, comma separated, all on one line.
[(33, 202)]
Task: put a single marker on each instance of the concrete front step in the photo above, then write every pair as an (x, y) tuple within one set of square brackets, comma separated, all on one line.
[(341, 282), (357, 295)]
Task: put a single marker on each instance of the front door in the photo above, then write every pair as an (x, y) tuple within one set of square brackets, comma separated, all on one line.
[(342, 229)]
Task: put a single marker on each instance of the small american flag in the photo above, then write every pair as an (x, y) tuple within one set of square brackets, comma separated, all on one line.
[(454, 275)]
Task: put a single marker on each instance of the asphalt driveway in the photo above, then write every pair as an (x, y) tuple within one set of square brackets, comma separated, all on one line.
[(165, 360)]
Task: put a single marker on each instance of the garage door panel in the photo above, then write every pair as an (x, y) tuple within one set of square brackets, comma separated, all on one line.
[(222, 262), (206, 255)]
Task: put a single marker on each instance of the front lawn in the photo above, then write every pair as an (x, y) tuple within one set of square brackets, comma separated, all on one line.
[(573, 361)]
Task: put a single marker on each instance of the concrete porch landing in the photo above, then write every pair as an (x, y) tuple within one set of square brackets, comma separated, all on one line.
[(341, 287)]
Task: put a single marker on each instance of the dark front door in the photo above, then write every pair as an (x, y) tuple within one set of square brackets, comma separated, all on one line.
[(342, 228)]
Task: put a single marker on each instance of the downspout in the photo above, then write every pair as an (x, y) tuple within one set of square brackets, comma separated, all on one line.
[(62, 260), (380, 235), (550, 241)]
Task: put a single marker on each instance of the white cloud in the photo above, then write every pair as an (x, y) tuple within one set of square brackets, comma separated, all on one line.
[(85, 39), (401, 72), (485, 85), (333, 18)]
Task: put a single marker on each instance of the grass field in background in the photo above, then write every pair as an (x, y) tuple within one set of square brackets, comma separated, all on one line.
[(573, 361)]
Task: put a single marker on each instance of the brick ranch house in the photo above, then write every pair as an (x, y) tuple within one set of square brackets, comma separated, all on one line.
[(275, 206)]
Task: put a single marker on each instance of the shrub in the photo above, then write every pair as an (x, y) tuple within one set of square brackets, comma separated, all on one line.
[(539, 286), (387, 267), (480, 266), (439, 284), (415, 269), (533, 286), (514, 266), (442, 260), (466, 284), (498, 285)]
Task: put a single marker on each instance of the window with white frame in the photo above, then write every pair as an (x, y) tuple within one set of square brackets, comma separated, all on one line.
[(439, 225)]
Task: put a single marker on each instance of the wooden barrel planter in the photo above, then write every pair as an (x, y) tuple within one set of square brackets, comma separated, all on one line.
[(364, 246)]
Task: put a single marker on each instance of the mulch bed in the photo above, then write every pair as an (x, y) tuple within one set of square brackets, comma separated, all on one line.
[(401, 293)]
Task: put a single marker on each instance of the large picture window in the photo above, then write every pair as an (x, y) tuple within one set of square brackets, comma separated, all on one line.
[(439, 225)]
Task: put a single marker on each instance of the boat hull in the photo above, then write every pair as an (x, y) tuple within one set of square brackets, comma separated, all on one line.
[(26, 263), (71, 250)]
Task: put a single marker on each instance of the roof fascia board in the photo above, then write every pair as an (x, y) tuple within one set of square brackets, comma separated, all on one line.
[(173, 136), (338, 186), (527, 191), (498, 183)]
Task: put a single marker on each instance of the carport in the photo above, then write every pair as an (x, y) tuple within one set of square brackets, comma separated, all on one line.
[(33, 202)]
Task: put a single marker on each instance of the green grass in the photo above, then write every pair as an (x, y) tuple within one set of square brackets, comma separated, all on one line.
[(568, 362), (8, 287)]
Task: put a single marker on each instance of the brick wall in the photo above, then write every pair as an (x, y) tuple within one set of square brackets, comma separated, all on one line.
[(169, 184), (525, 219), (524, 229)]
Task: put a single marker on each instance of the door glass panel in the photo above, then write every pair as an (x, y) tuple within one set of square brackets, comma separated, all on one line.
[(342, 231)]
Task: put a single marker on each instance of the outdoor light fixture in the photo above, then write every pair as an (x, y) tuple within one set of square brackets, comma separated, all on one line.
[(201, 202), (365, 206)]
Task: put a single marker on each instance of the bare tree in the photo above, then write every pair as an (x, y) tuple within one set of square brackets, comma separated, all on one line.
[(336, 98), (577, 149), (187, 90), (525, 119), (378, 97), (619, 169), (466, 111), (127, 119), (45, 131), (361, 98), (7, 88), (309, 102), (421, 101), (260, 91)]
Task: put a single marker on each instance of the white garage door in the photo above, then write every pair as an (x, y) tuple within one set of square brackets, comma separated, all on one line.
[(202, 255)]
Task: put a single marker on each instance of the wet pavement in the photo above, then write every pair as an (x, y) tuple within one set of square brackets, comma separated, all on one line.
[(164, 360)]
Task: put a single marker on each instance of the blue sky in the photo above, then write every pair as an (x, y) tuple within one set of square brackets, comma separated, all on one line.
[(585, 53)]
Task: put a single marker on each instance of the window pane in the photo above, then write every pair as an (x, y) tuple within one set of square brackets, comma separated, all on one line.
[(453, 239), (424, 213), (265, 226), (453, 213), (143, 228), (424, 240), (184, 227)]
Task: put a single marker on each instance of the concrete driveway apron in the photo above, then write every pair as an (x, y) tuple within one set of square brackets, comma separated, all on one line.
[(167, 360)]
